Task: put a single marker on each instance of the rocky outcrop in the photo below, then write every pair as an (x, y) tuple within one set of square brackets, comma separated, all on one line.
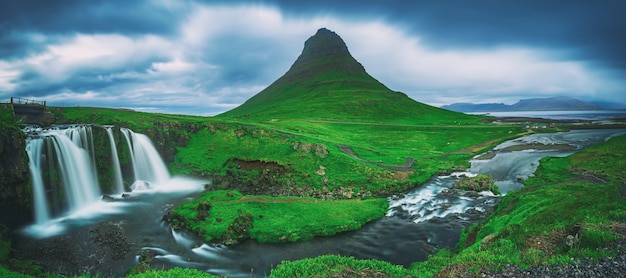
[(15, 193), (478, 183), (319, 150)]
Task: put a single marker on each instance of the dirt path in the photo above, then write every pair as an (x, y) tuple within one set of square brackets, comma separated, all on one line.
[(402, 168)]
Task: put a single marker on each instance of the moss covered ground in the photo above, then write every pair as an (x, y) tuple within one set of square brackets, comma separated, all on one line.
[(227, 216)]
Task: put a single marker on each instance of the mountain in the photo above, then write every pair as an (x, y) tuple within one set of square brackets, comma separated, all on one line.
[(534, 104), (327, 83)]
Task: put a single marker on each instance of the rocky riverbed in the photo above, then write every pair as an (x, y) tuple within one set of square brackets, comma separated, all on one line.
[(604, 267)]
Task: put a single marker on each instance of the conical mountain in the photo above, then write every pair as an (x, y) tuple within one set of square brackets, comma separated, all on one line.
[(327, 83)]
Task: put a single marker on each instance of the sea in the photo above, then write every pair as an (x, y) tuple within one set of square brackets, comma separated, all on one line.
[(592, 115)]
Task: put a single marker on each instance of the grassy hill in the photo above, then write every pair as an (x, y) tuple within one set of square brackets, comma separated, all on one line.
[(327, 83), (324, 112)]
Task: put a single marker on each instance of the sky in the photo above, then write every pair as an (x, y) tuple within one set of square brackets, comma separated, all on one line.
[(206, 57)]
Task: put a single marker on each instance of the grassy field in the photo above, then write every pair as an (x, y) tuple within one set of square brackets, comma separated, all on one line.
[(229, 216)]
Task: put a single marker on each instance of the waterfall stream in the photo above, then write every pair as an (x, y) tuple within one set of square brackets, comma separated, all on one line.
[(147, 163), (115, 160), (418, 222), (62, 162)]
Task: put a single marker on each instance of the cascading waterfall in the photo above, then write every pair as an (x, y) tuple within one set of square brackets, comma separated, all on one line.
[(117, 169), (65, 158), (147, 164), (33, 149), (82, 137), (76, 171)]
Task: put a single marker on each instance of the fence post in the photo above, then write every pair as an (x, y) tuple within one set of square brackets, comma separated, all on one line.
[(11, 100)]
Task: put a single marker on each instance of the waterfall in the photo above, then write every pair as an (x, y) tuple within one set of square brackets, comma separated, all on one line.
[(33, 149), (82, 137), (75, 170), (117, 170), (147, 164), (62, 160)]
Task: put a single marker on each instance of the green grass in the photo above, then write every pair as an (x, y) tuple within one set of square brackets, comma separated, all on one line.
[(172, 273), (433, 148), (580, 194), (207, 146), (337, 266), (276, 219)]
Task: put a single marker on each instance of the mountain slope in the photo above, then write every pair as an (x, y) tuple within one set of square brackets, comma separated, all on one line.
[(534, 104), (327, 83)]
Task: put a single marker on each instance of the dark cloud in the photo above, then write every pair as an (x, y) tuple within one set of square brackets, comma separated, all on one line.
[(21, 20), (167, 47), (589, 30), (97, 16)]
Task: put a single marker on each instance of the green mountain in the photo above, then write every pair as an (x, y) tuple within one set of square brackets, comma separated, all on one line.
[(327, 83)]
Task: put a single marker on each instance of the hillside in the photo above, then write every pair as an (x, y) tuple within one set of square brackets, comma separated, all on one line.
[(534, 104), (327, 83)]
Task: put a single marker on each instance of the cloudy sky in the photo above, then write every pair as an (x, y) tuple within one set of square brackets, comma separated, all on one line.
[(206, 57)]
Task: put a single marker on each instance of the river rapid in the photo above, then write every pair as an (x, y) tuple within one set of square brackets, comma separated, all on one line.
[(110, 237)]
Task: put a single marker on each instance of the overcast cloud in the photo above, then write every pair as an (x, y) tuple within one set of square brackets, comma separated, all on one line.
[(205, 57)]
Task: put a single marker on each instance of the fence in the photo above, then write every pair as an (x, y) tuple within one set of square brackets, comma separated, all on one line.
[(19, 100)]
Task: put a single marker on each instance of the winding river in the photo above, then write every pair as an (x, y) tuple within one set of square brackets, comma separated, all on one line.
[(427, 218)]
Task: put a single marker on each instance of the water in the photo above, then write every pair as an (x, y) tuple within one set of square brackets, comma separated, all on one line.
[(419, 222), (147, 163), (115, 160), (520, 165), (64, 157), (33, 149), (592, 115)]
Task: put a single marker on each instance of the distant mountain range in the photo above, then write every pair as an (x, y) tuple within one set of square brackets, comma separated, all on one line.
[(534, 104)]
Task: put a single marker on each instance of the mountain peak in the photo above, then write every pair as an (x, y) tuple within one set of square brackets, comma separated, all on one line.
[(326, 82), (324, 49)]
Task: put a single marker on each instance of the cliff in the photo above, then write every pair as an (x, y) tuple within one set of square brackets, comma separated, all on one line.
[(15, 195)]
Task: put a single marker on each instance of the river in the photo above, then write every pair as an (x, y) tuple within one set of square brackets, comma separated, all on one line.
[(427, 218)]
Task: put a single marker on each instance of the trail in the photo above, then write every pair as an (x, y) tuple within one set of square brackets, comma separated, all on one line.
[(402, 168)]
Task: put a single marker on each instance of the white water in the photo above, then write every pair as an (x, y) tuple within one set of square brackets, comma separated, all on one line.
[(33, 149), (508, 169), (117, 170), (147, 164), (82, 137), (75, 170), (69, 152), (435, 200)]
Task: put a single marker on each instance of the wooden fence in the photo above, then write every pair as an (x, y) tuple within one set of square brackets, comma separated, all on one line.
[(19, 100)]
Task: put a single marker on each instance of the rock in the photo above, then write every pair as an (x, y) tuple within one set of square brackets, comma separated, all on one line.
[(107, 198), (320, 150), (15, 196), (238, 230), (321, 171), (482, 182), (484, 244), (203, 210)]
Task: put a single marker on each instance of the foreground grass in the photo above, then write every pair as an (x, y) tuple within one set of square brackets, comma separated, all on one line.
[(338, 266), (217, 215)]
